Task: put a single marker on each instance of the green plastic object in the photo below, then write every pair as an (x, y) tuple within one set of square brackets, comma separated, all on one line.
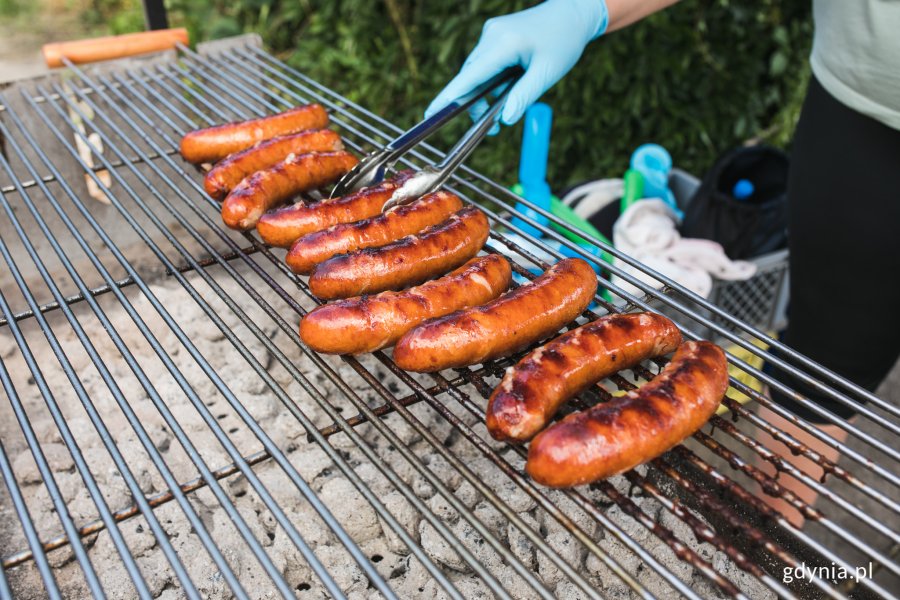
[(564, 212), (634, 189)]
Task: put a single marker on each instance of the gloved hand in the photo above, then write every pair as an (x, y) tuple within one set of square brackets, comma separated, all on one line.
[(546, 40)]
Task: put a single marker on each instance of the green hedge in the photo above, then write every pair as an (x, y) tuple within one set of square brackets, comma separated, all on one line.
[(698, 78)]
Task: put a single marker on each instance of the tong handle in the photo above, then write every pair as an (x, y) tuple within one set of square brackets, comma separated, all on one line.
[(426, 127), (116, 46), (463, 148)]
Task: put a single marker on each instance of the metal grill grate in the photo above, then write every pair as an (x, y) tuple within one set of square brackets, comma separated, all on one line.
[(168, 434)]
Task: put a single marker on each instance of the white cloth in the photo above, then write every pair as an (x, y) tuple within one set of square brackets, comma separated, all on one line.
[(646, 231), (592, 196)]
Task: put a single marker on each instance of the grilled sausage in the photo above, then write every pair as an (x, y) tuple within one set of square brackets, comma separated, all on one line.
[(229, 171), (533, 390), (510, 323), (270, 187), (396, 223), (284, 226), (368, 323), (408, 261), (215, 143), (618, 435)]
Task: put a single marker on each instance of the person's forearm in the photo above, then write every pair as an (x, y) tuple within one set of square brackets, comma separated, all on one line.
[(623, 13)]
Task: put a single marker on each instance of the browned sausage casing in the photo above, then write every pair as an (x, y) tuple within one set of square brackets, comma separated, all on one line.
[(532, 391), (618, 435), (229, 171), (396, 223), (514, 321), (408, 261), (215, 143), (368, 323), (284, 226), (268, 188)]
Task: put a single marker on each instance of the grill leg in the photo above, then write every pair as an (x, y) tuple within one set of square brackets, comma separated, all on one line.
[(155, 14)]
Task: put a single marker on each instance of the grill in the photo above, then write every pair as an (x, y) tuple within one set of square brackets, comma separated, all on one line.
[(167, 434)]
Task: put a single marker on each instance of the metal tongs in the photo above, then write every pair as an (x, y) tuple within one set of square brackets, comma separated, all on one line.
[(373, 168)]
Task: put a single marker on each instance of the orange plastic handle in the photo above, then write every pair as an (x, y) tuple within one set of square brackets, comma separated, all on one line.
[(116, 46)]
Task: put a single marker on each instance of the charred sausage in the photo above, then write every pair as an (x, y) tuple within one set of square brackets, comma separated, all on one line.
[(368, 323), (229, 171), (215, 143), (532, 391), (284, 226), (618, 435), (408, 261), (396, 223), (510, 323), (268, 188)]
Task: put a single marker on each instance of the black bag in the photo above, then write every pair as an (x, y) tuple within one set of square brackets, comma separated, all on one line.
[(745, 228)]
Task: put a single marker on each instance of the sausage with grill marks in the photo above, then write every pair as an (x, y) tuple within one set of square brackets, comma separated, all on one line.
[(396, 223), (215, 143), (408, 261), (369, 323), (537, 386), (229, 171), (618, 435), (284, 226), (512, 322), (268, 188)]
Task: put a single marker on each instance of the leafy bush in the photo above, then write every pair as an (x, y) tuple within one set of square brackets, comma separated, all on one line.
[(698, 78)]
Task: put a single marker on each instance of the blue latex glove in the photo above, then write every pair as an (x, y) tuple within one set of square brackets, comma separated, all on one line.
[(546, 40)]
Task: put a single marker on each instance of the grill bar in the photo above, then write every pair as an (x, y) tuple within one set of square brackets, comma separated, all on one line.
[(277, 454), (563, 564), (498, 547), (103, 289), (199, 528), (242, 115), (139, 116), (250, 51), (637, 302), (210, 421), (195, 81), (95, 418), (505, 199), (287, 328)]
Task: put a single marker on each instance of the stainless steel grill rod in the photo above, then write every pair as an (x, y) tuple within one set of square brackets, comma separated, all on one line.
[(123, 404), (195, 81), (807, 363), (673, 285), (31, 534), (288, 329), (262, 336), (279, 457), (180, 435), (255, 84), (281, 266), (216, 429), (273, 349), (56, 498), (96, 419), (172, 75), (773, 383), (200, 190)]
